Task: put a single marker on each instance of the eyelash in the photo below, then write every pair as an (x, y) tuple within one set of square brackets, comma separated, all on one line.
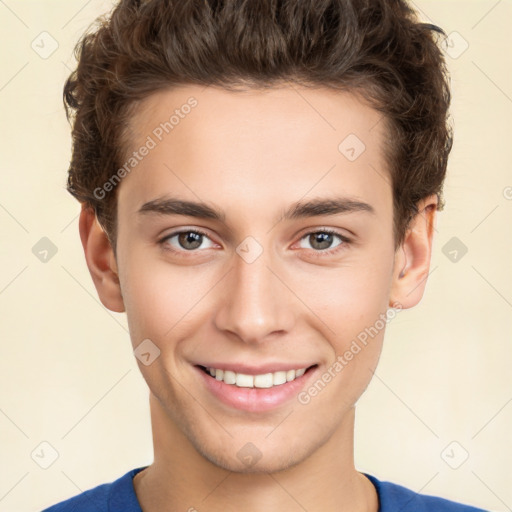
[(320, 253), (327, 252)]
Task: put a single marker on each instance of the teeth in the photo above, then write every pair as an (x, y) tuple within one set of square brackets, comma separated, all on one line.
[(278, 378), (266, 380), (244, 381), (229, 377)]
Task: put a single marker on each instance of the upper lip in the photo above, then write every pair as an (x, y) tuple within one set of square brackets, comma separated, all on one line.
[(260, 369)]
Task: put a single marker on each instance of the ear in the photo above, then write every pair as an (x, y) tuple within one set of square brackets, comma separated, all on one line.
[(100, 260), (412, 258)]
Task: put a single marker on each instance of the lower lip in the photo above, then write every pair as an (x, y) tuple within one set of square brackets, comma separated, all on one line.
[(255, 399)]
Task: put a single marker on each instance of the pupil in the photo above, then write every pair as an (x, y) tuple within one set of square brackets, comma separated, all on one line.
[(190, 237), (324, 240)]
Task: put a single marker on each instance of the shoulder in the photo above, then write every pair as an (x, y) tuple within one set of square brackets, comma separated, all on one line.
[(392, 496), (92, 499), (116, 496)]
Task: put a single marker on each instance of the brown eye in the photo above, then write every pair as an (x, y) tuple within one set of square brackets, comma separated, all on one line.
[(190, 240), (321, 240)]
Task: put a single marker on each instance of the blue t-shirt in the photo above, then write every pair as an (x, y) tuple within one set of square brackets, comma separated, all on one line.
[(119, 496)]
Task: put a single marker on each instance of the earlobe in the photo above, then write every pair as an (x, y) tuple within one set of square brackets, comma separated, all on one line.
[(412, 258), (100, 259)]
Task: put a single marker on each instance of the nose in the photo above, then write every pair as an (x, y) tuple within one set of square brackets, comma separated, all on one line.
[(256, 302)]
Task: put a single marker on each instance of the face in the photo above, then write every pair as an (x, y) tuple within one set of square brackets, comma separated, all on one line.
[(282, 263)]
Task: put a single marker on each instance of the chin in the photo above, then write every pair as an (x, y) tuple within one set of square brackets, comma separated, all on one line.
[(276, 463), (259, 456)]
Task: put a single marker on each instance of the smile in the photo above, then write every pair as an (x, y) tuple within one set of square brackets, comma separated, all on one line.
[(265, 380), (255, 389)]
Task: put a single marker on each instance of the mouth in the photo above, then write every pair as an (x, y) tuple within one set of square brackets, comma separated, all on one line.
[(261, 381), (253, 391)]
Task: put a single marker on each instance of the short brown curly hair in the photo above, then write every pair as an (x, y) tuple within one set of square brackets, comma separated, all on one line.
[(376, 48)]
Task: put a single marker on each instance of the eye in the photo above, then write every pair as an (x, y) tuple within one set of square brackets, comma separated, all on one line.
[(186, 240), (321, 241)]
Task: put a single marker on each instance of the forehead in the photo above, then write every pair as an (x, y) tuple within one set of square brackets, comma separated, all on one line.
[(309, 111), (256, 144)]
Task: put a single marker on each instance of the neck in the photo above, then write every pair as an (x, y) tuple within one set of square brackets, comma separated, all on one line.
[(181, 478)]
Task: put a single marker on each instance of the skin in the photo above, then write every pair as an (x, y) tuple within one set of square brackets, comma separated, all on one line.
[(252, 154)]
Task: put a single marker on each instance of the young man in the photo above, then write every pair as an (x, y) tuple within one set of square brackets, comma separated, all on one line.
[(259, 182)]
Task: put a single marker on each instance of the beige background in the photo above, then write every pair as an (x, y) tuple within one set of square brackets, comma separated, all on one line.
[(68, 376)]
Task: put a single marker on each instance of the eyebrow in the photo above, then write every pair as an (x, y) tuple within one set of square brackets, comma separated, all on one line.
[(298, 210)]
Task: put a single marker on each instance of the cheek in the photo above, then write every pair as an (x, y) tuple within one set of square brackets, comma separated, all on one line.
[(350, 297), (351, 312), (350, 306), (160, 299)]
